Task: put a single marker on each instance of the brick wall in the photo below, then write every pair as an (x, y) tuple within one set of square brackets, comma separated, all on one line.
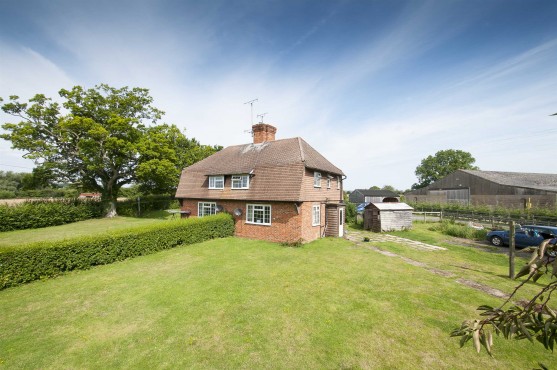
[(287, 225)]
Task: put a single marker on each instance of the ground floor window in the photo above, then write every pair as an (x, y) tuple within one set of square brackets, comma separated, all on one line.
[(206, 209), (258, 214), (316, 215)]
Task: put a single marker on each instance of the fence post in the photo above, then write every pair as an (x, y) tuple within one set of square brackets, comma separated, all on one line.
[(138, 207), (511, 249)]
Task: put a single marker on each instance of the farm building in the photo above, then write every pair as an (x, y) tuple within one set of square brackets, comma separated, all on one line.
[(372, 196), (387, 216), (492, 188)]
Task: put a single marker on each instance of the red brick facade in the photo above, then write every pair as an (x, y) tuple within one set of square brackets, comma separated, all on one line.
[(289, 222)]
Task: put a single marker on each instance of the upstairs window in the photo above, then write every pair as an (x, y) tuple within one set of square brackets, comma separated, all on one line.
[(328, 182), (216, 182), (317, 179), (338, 182), (240, 182)]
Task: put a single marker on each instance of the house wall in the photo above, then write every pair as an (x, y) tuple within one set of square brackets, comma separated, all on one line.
[(287, 223), (311, 193)]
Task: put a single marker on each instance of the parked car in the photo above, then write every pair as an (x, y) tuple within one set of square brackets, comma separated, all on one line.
[(525, 236)]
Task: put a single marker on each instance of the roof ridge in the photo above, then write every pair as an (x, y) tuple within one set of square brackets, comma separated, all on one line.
[(301, 149)]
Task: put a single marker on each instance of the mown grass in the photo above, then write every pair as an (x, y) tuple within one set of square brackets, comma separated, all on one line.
[(235, 303), (76, 229)]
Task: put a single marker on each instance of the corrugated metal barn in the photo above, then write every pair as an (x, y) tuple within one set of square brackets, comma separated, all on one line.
[(372, 196), (493, 188), (387, 217)]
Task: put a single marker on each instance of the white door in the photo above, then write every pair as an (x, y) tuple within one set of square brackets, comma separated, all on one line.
[(341, 222)]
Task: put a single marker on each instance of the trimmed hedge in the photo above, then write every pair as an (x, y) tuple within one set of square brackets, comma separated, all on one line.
[(36, 261), (36, 214)]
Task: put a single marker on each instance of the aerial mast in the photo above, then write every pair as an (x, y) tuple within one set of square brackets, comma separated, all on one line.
[(251, 104)]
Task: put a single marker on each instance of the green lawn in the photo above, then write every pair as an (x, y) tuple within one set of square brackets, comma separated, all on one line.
[(81, 228), (235, 303)]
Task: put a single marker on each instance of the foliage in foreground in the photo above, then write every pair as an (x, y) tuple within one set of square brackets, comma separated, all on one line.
[(48, 259), (533, 319)]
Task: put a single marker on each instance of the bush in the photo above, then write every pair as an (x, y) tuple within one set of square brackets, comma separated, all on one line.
[(35, 261), (459, 231), (35, 214), (7, 194)]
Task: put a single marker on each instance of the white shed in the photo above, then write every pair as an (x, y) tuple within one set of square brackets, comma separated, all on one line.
[(387, 217)]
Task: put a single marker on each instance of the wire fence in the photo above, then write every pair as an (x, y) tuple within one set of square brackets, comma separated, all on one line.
[(493, 220)]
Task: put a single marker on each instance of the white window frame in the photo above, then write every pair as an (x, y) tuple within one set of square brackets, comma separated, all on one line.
[(316, 215), (240, 182), (250, 214), (338, 182), (213, 180), (328, 182), (206, 209), (317, 179)]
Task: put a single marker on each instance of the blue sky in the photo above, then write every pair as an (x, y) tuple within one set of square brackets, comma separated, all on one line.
[(375, 86)]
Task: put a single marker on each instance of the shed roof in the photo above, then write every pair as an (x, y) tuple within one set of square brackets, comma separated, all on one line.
[(390, 206)]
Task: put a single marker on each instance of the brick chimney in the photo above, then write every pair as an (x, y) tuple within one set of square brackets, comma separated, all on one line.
[(263, 132)]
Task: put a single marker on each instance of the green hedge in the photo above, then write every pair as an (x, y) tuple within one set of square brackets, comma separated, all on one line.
[(35, 261), (35, 214)]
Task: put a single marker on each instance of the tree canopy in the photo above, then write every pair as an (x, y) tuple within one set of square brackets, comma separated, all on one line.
[(102, 138), (433, 168)]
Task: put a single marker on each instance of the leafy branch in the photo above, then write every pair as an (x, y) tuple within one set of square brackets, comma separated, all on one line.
[(532, 320)]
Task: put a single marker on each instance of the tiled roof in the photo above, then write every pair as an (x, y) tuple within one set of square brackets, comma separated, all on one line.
[(540, 181), (277, 170), (244, 158)]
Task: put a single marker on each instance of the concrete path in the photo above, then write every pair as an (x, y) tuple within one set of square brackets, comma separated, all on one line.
[(357, 238)]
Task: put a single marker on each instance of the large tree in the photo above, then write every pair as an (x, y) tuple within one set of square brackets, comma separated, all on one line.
[(102, 139), (432, 168)]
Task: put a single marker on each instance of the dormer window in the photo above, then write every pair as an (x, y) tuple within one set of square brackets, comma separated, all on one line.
[(216, 182), (240, 182), (317, 179)]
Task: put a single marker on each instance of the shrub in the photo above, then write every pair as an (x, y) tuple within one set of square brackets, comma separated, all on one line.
[(35, 261), (459, 231), (35, 214)]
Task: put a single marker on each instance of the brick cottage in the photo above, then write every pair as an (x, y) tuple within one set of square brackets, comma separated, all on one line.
[(277, 190)]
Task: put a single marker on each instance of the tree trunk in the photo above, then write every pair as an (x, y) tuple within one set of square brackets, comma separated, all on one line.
[(111, 209)]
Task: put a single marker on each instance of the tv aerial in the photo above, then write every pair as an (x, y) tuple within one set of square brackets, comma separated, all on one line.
[(251, 104), (262, 115)]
